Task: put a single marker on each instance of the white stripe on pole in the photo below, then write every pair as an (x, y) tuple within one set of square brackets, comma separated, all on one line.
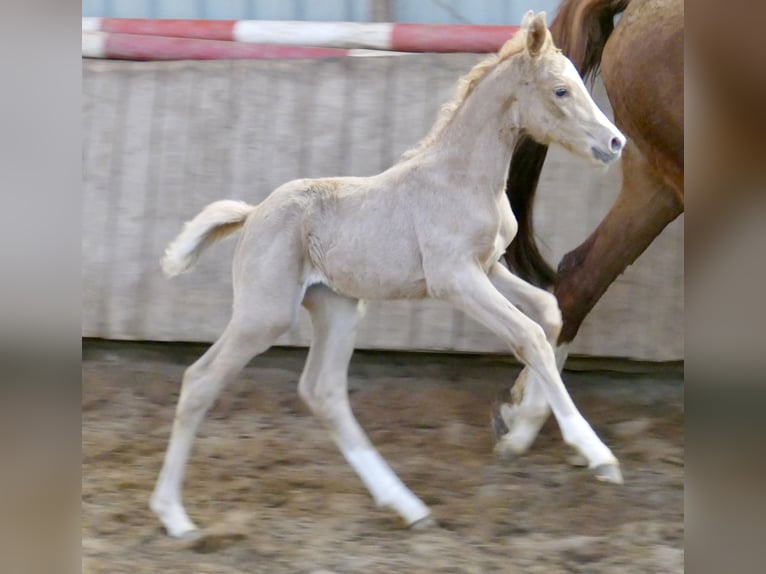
[(365, 53), (94, 44), (325, 34), (91, 24)]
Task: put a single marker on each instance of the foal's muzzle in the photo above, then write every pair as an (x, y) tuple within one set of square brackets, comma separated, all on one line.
[(611, 151)]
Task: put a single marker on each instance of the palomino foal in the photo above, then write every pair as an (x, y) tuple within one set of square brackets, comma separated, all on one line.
[(443, 217)]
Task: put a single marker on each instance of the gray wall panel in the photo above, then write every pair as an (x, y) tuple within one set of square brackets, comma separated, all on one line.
[(161, 140)]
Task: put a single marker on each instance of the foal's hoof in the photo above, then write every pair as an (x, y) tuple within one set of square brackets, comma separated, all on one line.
[(424, 523), (501, 416), (499, 428), (576, 459), (187, 535), (608, 473), (174, 518), (505, 451)]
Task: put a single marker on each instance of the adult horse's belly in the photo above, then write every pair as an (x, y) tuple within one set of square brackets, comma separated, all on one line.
[(642, 69)]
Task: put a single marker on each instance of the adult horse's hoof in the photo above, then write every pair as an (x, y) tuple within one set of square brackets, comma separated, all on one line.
[(424, 523), (608, 473)]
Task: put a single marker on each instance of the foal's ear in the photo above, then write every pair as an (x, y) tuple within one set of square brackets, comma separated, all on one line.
[(537, 34), (527, 19)]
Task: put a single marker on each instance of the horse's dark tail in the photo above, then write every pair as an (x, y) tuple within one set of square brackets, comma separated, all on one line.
[(580, 29), (523, 256)]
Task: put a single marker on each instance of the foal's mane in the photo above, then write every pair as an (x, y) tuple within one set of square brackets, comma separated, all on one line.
[(465, 87)]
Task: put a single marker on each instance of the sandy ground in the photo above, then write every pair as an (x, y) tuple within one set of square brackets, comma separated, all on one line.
[(272, 494)]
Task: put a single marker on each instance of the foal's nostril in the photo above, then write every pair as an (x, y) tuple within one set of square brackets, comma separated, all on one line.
[(615, 144)]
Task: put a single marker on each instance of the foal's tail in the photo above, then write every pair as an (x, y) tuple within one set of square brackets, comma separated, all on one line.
[(214, 222), (580, 29)]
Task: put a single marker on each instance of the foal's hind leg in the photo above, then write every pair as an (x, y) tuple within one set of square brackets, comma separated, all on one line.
[(323, 386), (518, 422), (525, 417), (202, 383)]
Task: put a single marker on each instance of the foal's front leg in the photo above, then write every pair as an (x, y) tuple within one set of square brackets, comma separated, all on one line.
[(472, 291)]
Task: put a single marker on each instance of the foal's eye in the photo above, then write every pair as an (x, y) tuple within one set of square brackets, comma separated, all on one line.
[(561, 92)]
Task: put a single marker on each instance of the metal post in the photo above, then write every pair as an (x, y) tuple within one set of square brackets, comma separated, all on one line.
[(382, 10)]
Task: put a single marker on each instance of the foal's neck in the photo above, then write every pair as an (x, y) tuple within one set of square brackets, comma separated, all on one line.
[(478, 142)]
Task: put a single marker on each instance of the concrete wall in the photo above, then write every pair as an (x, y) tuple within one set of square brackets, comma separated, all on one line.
[(161, 140)]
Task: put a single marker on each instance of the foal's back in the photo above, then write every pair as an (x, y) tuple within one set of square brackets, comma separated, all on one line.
[(355, 234)]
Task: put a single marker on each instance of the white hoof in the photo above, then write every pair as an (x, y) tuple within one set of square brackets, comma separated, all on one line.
[(577, 459), (174, 518), (506, 449), (412, 510), (423, 524), (608, 473), (522, 433)]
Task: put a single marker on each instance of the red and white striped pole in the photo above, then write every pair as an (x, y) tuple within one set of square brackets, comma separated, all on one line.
[(330, 35), (144, 47)]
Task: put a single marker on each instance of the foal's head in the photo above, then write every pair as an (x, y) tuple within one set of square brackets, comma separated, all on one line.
[(554, 105)]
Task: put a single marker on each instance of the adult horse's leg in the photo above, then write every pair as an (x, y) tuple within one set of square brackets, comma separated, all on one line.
[(324, 388), (202, 383), (473, 292), (647, 203)]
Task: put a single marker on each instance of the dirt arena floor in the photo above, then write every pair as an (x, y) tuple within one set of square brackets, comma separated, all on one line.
[(272, 494)]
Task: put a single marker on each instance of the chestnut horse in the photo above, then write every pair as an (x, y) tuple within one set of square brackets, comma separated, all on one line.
[(642, 67)]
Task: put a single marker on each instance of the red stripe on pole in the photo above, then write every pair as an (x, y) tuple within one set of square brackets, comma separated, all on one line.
[(140, 47), (450, 37), (202, 29)]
